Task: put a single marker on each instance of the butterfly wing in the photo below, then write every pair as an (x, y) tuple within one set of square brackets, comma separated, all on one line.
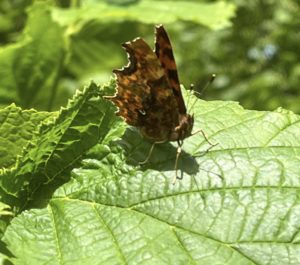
[(144, 97), (164, 52)]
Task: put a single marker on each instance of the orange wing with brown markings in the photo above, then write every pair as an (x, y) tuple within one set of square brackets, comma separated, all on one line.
[(164, 52), (144, 96)]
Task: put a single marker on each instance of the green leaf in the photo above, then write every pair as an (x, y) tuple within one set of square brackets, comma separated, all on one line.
[(56, 147), (213, 15), (17, 128), (237, 204), (30, 68)]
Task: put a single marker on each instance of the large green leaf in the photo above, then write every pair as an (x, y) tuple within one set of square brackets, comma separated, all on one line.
[(56, 147), (237, 204)]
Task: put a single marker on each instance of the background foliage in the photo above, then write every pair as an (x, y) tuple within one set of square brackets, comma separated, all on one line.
[(71, 188), (256, 59)]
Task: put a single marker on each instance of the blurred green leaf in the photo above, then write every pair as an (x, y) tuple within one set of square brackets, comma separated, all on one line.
[(29, 69), (112, 212), (213, 15), (12, 18)]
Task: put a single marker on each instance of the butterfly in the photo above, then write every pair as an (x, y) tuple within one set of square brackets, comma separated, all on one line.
[(149, 96)]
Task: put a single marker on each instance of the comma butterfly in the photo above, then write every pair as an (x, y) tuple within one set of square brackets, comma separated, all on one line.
[(149, 96)]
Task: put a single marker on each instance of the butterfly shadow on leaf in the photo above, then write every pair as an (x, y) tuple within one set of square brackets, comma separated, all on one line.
[(162, 158)]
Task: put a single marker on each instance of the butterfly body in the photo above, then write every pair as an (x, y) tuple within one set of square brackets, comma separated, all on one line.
[(148, 91)]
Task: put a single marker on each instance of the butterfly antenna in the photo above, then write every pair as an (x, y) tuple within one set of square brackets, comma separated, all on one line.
[(212, 78)]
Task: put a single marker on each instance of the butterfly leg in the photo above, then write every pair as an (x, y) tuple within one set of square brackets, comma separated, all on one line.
[(150, 152), (206, 139), (176, 162), (211, 146)]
